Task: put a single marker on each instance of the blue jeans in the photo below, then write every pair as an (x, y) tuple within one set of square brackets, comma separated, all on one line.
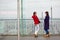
[(46, 30)]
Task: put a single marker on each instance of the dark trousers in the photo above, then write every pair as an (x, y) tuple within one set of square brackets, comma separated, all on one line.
[(46, 30)]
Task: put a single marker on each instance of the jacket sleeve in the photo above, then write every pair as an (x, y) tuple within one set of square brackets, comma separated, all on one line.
[(38, 20)]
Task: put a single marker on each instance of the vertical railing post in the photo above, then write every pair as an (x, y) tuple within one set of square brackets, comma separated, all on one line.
[(22, 16), (51, 19), (18, 17)]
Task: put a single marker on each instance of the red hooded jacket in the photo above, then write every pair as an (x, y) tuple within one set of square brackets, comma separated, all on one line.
[(36, 20)]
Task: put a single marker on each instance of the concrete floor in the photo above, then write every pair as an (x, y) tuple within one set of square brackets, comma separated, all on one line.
[(29, 38)]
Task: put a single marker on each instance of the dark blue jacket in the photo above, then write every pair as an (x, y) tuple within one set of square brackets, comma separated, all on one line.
[(46, 22)]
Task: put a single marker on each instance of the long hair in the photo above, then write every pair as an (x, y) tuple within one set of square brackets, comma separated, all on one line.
[(47, 13)]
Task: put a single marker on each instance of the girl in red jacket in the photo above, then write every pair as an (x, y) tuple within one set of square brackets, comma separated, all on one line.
[(36, 23)]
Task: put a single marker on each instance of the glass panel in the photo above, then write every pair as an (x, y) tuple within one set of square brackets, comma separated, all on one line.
[(8, 19), (8, 9), (40, 6)]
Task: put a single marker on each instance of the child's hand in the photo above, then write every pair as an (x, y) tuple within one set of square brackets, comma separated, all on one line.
[(39, 22)]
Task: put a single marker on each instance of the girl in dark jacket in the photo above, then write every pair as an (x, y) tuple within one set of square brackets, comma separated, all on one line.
[(46, 24)]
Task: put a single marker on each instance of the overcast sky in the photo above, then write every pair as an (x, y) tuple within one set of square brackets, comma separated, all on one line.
[(8, 8)]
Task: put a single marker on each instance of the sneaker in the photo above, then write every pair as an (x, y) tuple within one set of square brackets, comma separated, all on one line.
[(46, 35), (35, 35)]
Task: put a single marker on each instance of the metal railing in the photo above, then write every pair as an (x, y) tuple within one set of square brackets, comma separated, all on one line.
[(9, 26)]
